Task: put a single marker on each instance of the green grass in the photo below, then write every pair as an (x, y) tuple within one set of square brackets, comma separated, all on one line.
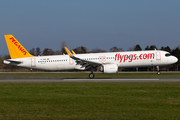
[(137, 101), (86, 75)]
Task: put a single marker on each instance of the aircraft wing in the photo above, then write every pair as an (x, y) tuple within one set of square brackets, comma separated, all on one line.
[(84, 63)]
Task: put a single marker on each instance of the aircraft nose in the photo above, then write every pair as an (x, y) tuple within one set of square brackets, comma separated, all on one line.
[(175, 59)]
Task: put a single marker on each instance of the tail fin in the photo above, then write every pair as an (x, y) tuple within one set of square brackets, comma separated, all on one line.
[(16, 50)]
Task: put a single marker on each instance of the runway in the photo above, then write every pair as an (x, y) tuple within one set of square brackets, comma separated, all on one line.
[(89, 80)]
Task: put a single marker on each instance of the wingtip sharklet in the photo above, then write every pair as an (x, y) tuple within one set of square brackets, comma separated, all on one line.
[(73, 52), (68, 52)]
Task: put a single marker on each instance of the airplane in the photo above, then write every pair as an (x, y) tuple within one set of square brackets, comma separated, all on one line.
[(108, 62)]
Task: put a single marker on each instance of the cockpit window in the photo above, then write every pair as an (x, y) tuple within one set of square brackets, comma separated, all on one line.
[(168, 54)]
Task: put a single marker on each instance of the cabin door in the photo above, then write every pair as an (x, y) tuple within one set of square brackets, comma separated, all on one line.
[(158, 55), (33, 62)]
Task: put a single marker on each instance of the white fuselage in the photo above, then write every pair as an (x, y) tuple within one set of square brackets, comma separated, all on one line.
[(122, 59)]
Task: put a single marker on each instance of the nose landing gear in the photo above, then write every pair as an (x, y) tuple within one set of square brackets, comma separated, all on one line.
[(158, 71)]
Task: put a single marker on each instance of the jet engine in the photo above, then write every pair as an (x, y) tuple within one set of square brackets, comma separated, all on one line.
[(109, 68)]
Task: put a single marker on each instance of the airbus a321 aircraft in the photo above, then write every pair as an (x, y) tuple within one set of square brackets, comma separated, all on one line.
[(108, 62)]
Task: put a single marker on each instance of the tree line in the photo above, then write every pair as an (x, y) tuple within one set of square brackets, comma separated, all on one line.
[(81, 49)]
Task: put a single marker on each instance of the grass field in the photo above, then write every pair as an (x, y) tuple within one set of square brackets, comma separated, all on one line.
[(86, 75), (137, 101)]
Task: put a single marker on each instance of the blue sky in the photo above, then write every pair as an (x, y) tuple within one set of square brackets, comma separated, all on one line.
[(91, 23)]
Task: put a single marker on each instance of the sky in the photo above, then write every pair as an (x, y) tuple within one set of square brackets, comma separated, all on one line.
[(93, 24)]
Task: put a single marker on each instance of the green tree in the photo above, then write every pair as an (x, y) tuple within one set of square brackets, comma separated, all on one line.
[(152, 47), (62, 45), (80, 50), (38, 51), (32, 51), (97, 50), (48, 51), (147, 47), (137, 48), (168, 49), (115, 49)]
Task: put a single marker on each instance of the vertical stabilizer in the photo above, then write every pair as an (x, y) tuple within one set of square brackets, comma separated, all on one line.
[(16, 50)]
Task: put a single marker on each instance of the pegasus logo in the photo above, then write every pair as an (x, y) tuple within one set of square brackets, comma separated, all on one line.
[(18, 46)]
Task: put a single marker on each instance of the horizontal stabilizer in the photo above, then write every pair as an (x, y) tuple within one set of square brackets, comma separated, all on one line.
[(10, 61)]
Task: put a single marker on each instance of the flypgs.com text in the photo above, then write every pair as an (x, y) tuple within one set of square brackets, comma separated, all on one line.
[(131, 57)]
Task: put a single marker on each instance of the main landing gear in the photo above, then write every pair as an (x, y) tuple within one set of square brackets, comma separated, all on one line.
[(91, 75), (158, 71)]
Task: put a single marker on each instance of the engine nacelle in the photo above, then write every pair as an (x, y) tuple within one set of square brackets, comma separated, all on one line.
[(109, 68)]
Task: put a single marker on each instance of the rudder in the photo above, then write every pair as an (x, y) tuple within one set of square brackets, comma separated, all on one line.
[(16, 50)]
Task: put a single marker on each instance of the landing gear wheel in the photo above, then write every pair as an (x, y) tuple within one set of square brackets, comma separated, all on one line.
[(158, 71), (91, 75)]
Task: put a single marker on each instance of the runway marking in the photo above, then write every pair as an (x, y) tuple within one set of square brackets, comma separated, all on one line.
[(111, 79), (92, 80)]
